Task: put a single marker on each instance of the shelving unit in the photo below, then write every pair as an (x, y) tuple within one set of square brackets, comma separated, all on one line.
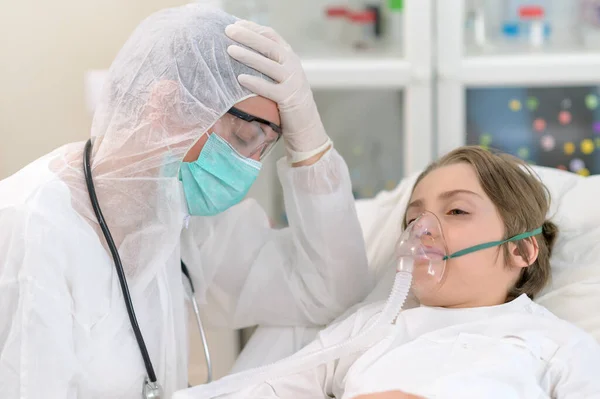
[(460, 69)]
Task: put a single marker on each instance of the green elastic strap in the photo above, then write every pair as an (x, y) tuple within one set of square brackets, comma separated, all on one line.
[(493, 244)]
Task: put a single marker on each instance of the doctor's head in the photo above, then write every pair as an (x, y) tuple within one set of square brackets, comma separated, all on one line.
[(480, 197), (171, 87), (172, 110)]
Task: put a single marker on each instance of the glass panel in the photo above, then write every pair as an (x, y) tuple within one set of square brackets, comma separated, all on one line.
[(513, 26), (371, 141), (556, 127), (326, 28)]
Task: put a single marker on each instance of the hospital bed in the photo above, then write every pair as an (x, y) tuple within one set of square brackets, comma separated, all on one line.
[(573, 294)]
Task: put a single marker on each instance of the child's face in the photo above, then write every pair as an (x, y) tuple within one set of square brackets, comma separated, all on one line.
[(468, 217)]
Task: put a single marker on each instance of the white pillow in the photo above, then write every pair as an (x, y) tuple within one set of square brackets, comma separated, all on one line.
[(573, 294)]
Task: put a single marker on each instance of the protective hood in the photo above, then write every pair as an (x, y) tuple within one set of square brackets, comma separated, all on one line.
[(167, 86)]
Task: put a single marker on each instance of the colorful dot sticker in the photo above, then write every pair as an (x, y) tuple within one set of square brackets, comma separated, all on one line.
[(485, 139), (523, 152), (515, 105), (598, 142), (597, 127), (587, 146), (564, 117), (484, 147), (561, 167), (548, 143), (576, 165), (566, 103), (591, 101), (569, 148), (583, 172), (532, 103), (539, 125)]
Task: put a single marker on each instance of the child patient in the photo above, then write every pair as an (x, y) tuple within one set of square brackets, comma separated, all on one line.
[(477, 333)]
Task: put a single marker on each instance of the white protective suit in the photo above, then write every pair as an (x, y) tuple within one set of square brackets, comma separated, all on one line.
[(64, 330)]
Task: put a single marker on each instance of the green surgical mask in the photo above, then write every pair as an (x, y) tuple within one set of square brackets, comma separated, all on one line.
[(219, 179)]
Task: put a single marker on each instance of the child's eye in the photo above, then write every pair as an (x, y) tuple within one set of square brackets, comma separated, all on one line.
[(457, 212)]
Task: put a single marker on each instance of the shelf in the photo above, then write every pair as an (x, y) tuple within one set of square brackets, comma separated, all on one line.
[(357, 73), (544, 69)]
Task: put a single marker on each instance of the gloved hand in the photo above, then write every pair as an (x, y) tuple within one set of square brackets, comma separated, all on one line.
[(303, 131)]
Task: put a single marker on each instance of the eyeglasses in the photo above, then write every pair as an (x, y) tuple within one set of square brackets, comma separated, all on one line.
[(260, 136), (251, 118)]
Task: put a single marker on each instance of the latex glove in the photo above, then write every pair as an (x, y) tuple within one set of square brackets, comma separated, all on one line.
[(303, 131)]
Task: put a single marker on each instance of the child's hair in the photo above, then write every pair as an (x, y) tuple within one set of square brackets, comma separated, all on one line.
[(522, 201)]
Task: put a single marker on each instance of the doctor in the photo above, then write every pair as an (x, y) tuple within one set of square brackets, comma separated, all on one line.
[(177, 143)]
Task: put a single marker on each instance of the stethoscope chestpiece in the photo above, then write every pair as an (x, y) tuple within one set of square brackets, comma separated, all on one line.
[(151, 390)]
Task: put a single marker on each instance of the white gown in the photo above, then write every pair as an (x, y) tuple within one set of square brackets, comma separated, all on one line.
[(517, 350)]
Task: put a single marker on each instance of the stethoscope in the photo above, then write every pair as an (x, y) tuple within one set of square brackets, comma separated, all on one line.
[(151, 388)]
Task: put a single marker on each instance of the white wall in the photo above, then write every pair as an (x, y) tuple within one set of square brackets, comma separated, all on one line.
[(45, 49)]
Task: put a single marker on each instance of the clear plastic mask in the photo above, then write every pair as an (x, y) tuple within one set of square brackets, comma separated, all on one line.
[(422, 251)]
